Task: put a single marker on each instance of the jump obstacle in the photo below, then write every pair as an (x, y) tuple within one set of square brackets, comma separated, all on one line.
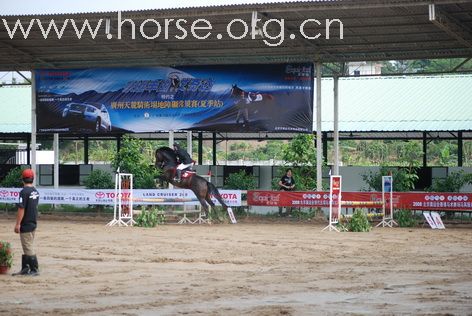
[(124, 201), (387, 188), (335, 194)]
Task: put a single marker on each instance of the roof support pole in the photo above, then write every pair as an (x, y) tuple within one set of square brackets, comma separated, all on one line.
[(86, 149), (189, 143), (56, 160), (33, 124), (200, 148), (460, 146), (171, 139), (325, 147), (336, 124), (425, 148), (171, 145), (214, 149), (28, 149), (319, 150), (118, 143)]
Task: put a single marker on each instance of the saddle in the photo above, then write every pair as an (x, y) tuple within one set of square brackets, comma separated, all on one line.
[(187, 173)]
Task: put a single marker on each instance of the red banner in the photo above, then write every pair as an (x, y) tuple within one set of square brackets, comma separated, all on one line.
[(401, 200), (334, 209)]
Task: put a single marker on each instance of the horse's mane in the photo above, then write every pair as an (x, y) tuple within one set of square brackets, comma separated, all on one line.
[(166, 149), (236, 91), (167, 153)]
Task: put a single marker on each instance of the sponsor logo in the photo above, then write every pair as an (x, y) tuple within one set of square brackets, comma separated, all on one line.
[(99, 195), (265, 197)]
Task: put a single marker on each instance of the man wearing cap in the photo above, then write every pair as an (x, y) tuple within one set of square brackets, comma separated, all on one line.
[(184, 160), (26, 223)]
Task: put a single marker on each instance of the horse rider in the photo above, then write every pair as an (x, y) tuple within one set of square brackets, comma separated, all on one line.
[(184, 160)]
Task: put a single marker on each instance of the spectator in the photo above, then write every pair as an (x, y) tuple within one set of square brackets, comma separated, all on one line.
[(286, 183), (26, 223)]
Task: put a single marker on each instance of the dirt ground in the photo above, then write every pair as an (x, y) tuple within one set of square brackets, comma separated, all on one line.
[(251, 268)]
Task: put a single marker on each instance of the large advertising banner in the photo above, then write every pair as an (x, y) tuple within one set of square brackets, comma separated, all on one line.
[(407, 200), (108, 196), (224, 98)]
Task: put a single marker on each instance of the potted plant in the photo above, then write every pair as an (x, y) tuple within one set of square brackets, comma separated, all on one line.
[(6, 257)]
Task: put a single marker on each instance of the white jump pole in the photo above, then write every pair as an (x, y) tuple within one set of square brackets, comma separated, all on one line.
[(114, 221), (387, 189), (335, 183), (123, 211)]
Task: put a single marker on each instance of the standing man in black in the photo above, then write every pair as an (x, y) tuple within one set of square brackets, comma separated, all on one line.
[(287, 183), (26, 223)]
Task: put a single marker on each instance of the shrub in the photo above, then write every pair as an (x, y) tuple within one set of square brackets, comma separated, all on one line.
[(217, 214), (405, 218), (150, 218), (404, 179), (6, 254), (452, 183), (240, 181), (13, 179), (359, 222), (99, 179), (237, 181)]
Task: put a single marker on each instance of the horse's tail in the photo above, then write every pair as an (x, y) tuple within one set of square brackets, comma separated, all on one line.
[(212, 190)]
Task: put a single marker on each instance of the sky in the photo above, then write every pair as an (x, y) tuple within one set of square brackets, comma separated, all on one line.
[(68, 6)]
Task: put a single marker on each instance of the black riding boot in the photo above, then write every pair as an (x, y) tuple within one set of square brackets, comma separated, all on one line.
[(178, 175), (33, 263), (25, 267)]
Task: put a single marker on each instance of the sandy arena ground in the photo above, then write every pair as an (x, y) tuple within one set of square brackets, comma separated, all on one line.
[(282, 268)]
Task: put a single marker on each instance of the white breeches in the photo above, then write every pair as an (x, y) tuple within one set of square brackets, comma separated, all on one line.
[(182, 166)]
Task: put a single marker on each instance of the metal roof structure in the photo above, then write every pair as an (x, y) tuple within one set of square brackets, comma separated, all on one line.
[(396, 104), (376, 107), (372, 30), (15, 106)]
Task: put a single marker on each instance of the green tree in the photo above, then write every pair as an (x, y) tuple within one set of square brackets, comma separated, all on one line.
[(102, 150), (423, 65), (410, 155), (467, 153), (71, 151), (301, 154), (132, 158)]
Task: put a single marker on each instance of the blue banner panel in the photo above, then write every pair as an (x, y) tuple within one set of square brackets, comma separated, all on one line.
[(219, 98)]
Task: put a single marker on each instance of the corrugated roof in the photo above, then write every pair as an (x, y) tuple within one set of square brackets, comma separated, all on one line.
[(372, 30), (413, 103), (15, 109), (171, 6)]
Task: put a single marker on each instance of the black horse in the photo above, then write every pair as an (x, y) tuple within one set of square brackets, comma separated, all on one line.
[(166, 160)]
